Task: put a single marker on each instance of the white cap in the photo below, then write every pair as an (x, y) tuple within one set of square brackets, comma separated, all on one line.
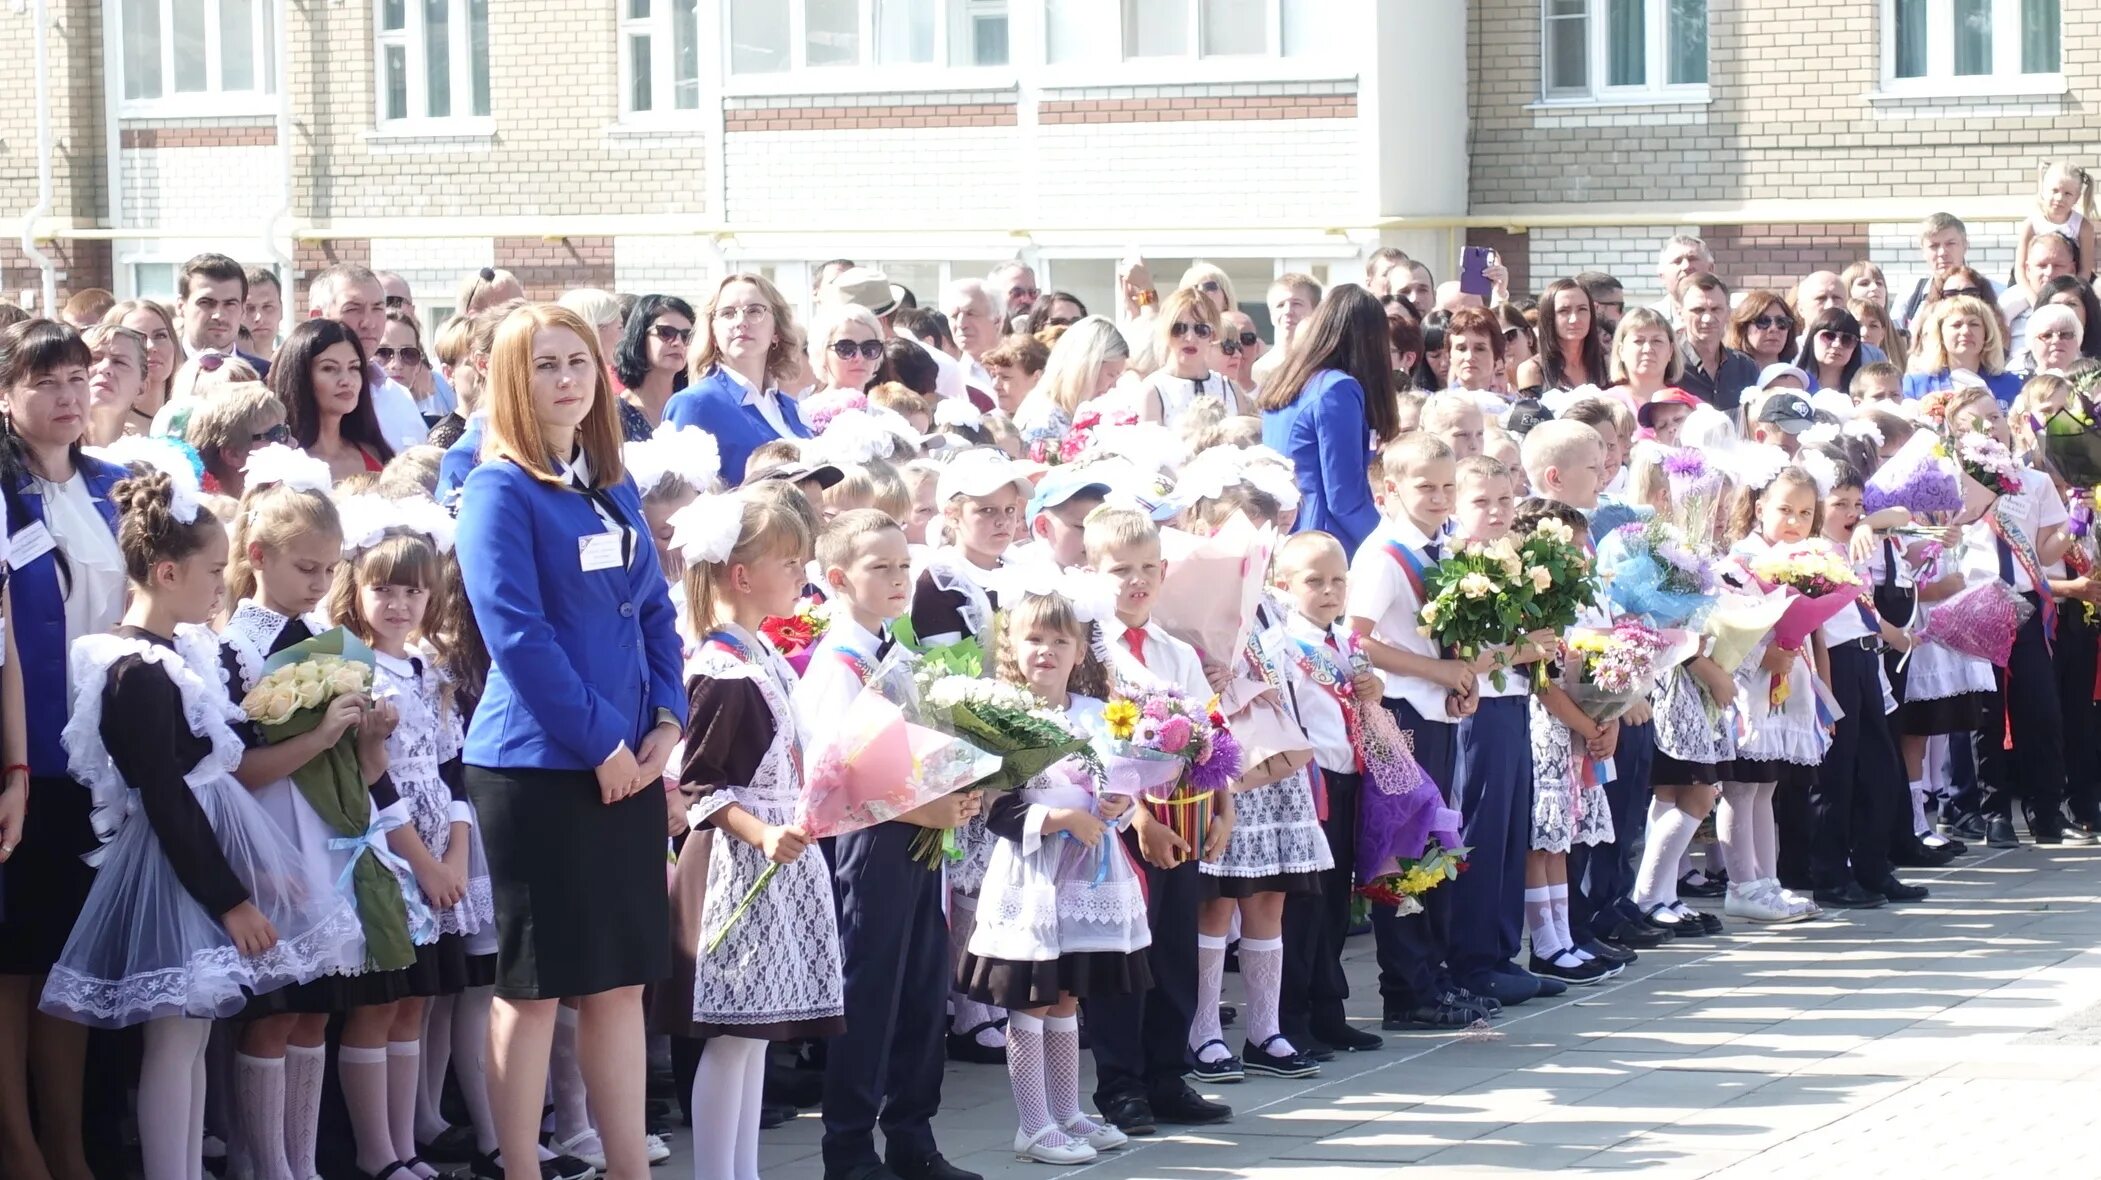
[(978, 473)]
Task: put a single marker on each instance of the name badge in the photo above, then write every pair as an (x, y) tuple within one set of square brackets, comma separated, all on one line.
[(31, 543), (600, 551)]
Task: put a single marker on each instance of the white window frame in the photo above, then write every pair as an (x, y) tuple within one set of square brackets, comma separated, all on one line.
[(868, 75), (1656, 88), (663, 62), (212, 100), (415, 39), (1941, 80)]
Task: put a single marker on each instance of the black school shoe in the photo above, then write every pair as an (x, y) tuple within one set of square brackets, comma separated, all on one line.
[(1638, 935), (932, 1167), (1706, 886), (1896, 890), (1580, 972), (1291, 1065), (1849, 896), (1347, 1039), (1225, 1069), (1607, 952), (1130, 1114), (1186, 1107)]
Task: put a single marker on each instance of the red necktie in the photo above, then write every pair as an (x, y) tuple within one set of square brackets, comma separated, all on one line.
[(1134, 637)]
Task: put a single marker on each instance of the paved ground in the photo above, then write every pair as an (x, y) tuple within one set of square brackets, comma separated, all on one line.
[(1959, 1036)]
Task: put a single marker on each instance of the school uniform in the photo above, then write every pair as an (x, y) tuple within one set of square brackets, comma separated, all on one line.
[(1277, 845), (1785, 741), (1386, 587), (741, 416), (2020, 746), (1862, 776), (885, 1068), (1494, 774)]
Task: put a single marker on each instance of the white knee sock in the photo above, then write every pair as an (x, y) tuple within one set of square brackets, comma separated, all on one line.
[(304, 1067), (1539, 921), (168, 1096), (1025, 1070), (404, 1074), (363, 1074), (470, 1046), (1061, 1073), (1210, 981), (1669, 834), (259, 1117), (1739, 842), (1557, 899), (572, 1110), (718, 1104), (437, 1058), (1262, 975)]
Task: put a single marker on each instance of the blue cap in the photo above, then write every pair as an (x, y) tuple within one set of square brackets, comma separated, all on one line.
[(1060, 484)]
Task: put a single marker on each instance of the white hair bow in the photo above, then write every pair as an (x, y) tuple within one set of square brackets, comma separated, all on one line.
[(1754, 464), (1818, 435), (288, 465), (1821, 469), (1092, 595), (1863, 427), (707, 529), (856, 436), (163, 456), (368, 518), (958, 411), (687, 452)]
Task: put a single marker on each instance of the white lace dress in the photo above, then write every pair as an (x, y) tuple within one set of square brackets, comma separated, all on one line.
[(778, 973), (1277, 845), (145, 947), (427, 736), (1568, 808)]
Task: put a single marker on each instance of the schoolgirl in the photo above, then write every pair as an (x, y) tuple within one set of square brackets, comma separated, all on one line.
[(202, 902), (773, 972), (1061, 919)]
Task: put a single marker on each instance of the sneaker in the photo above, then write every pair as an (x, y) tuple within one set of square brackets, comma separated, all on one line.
[(1223, 1069), (1757, 907), (658, 1150), (1290, 1065), (1032, 1148)]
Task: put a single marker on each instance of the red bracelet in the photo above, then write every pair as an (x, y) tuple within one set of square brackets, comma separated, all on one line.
[(10, 769)]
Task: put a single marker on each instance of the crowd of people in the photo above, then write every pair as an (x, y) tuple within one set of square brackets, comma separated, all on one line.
[(562, 551)]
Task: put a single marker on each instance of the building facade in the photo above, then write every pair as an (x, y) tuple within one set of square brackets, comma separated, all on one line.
[(650, 144)]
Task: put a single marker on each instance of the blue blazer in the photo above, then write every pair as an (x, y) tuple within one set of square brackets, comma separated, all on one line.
[(715, 403), (460, 460), (40, 621), (2004, 386), (1327, 437), (580, 662)]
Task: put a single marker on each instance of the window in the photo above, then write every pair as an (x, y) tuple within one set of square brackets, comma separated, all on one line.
[(1077, 32), (659, 56), (433, 59), (1939, 46), (178, 52), (770, 36), (1613, 50)]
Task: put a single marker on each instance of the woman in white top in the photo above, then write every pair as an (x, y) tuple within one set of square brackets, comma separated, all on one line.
[(1185, 338)]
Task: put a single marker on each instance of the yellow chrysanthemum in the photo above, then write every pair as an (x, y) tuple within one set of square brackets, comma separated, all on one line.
[(1122, 719)]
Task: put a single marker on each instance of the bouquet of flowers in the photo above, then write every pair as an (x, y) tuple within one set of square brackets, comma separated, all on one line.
[(1979, 620), (1208, 595), (1696, 488), (1650, 570), (1476, 598), (1000, 719), (1822, 581), (1160, 726), (1403, 881), (1060, 440), (818, 411), (1920, 478), (289, 701), (1986, 460), (1563, 578), (1740, 621), (1607, 671), (796, 635)]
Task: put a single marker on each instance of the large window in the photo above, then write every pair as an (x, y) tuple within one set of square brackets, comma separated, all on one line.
[(1094, 31), (1607, 50), (1942, 46), (659, 56), (183, 52), (769, 36), (432, 59)]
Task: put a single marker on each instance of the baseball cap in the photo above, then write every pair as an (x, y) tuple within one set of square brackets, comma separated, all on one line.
[(1525, 413), (864, 286), (826, 474), (1061, 484), (979, 473), (1672, 396), (1786, 409)]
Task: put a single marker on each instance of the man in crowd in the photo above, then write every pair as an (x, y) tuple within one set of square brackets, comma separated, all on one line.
[(1684, 256), (212, 298), (2049, 255), (1714, 373), (1608, 300), (1385, 264), (1013, 286), (1944, 242), (351, 294), (973, 319), (1292, 298)]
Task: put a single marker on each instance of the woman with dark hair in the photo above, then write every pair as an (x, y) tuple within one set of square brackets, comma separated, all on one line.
[(651, 360), (1762, 328), (1571, 348), (1404, 342), (65, 580), (319, 375), (1830, 351), (2077, 294), (909, 365), (1435, 363), (1963, 280), (1329, 403), (1062, 308)]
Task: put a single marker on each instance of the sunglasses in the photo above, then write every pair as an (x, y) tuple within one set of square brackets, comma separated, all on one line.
[(1249, 340), (410, 355), (1060, 321), (1390, 300), (671, 335), (1773, 321), (395, 302), (1210, 285), (1229, 346), (845, 349), (1952, 292), (1184, 327), (1836, 337), (279, 433)]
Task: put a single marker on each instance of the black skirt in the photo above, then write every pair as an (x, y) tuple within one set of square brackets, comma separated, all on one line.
[(1289, 884), (1006, 983), (47, 884), (1957, 714), (579, 885), (1786, 774), (443, 968), (1666, 771)]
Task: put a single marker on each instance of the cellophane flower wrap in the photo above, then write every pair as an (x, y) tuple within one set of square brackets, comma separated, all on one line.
[(1921, 477), (819, 410), (289, 701), (1607, 670), (1822, 583), (1475, 599), (1696, 489), (872, 766), (2070, 440), (1154, 725), (1001, 720), (1986, 460), (1402, 883), (1401, 813), (795, 636), (1651, 570), (1979, 621)]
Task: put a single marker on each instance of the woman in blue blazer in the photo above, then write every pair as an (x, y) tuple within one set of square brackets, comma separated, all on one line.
[(67, 581), (748, 346), (565, 755), (1329, 406)]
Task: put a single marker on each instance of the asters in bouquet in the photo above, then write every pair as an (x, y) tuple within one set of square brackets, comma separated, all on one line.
[(1920, 477), (1650, 569), (1402, 882), (1696, 488), (1986, 460), (1475, 599), (1160, 726), (1821, 581)]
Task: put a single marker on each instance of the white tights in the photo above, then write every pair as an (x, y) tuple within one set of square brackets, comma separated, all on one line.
[(1750, 837), (727, 1089), (455, 1037), (171, 1098)]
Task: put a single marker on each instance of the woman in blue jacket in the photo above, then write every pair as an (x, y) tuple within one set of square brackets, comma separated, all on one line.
[(747, 346), (67, 581), (565, 755), (1329, 406)]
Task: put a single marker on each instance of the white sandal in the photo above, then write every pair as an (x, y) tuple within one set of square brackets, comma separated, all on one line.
[(1104, 1136), (1031, 1148)]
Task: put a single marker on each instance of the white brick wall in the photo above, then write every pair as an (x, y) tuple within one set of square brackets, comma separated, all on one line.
[(1627, 253), (433, 266), (1168, 174), (680, 266), (217, 189), (1895, 245), (915, 176)]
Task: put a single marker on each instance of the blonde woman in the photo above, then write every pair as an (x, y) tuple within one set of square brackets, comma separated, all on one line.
[(1085, 364), (1644, 358), (1960, 332), (748, 347), (164, 353), (114, 382), (1185, 338), (846, 347), (1212, 284)]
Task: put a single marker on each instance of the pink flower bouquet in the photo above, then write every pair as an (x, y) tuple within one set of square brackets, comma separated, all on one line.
[(1823, 585), (1978, 621)]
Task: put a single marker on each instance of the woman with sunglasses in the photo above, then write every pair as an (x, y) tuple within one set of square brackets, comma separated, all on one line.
[(1520, 344), (227, 424), (1762, 328), (1059, 309), (402, 355), (1184, 335), (1830, 351), (650, 363), (846, 347), (1212, 283)]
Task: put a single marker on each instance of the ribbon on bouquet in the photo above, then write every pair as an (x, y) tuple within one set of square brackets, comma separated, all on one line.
[(422, 924)]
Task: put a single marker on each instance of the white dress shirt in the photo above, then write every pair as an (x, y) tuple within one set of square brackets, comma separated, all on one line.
[(1380, 591), (1167, 662), (768, 401), (1320, 713)]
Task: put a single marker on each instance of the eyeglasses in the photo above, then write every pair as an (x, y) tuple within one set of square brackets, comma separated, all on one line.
[(1840, 338), (1184, 327), (1952, 292), (1210, 285), (395, 302), (1229, 346), (845, 349), (750, 311), (671, 335), (409, 354), (279, 433), (1766, 322)]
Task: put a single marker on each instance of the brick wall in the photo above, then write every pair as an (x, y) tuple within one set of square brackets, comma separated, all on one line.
[(80, 265), (1780, 255), (845, 118), (227, 190), (311, 258), (548, 268), (1165, 109), (74, 44)]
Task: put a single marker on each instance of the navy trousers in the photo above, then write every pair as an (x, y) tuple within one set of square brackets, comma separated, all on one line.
[(1859, 781), (1495, 797), (1315, 924), (886, 1067), (2034, 770), (1414, 951), (1603, 874), (1141, 1042)]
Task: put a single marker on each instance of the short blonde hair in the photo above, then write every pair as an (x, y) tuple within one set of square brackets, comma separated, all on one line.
[(1299, 548), (1202, 272), (1555, 443), (1481, 467), (900, 398), (1441, 407), (1401, 455), (1634, 321), (1930, 353), (1108, 529), (829, 319), (876, 484), (836, 544), (1181, 303), (593, 305), (231, 412)]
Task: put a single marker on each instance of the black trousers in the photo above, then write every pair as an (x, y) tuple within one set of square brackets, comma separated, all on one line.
[(2034, 769), (886, 1067), (2078, 644), (1141, 1042), (1855, 786), (1414, 950), (1603, 874), (1315, 924)]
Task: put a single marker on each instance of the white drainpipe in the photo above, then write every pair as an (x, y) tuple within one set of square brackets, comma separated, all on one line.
[(283, 213), (40, 18)]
